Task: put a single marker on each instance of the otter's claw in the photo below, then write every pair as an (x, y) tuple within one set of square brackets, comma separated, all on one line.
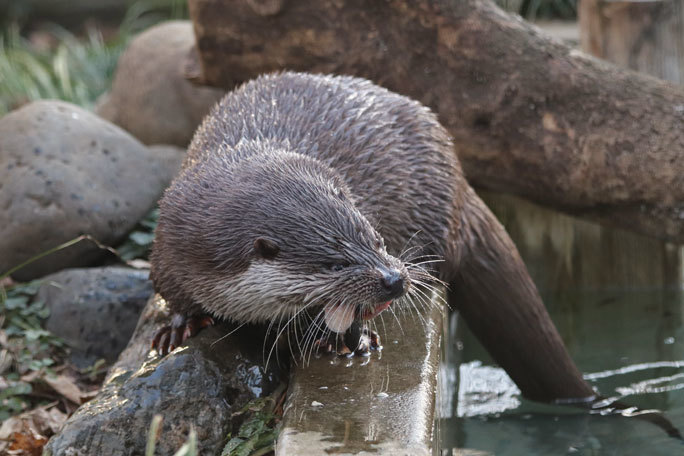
[(181, 329), (363, 339), (367, 341)]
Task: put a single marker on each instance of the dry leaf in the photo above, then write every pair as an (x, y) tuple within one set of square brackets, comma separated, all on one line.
[(55, 420), (27, 444), (88, 395), (26, 434), (139, 263), (10, 426), (32, 376), (5, 357), (66, 387)]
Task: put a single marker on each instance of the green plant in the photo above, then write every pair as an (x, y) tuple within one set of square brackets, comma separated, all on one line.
[(256, 436), (27, 351), (139, 241), (259, 430), (77, 70), (26, 347)]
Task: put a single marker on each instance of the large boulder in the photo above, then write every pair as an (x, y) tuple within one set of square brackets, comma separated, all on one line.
[(65, 172), (95, 310), (150, 96)]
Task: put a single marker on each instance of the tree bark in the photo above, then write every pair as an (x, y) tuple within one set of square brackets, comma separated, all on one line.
[(644, 36), (528, 115)]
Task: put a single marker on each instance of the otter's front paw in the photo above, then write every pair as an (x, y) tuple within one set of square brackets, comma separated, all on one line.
[(362, 339), (180, 330)]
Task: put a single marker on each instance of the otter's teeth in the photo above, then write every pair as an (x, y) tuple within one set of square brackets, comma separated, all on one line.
[(338, 319)]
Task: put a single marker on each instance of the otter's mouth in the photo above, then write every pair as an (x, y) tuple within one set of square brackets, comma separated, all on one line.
[(339, 318), (367, 314)]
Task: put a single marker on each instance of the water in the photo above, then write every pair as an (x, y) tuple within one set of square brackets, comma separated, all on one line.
[(618, 302)]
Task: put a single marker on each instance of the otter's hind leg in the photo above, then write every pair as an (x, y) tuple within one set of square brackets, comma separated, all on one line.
[(181, 329), (492, 290)]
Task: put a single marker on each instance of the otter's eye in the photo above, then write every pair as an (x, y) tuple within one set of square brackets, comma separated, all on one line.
[(266, 248), (378, 244)]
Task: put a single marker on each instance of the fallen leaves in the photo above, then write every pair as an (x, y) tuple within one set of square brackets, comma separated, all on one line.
[(27, 434), (33, 373), (66, 387)]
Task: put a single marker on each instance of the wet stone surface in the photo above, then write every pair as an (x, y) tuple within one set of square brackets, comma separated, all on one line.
[(381, 405), (199, 385), (95, 310)]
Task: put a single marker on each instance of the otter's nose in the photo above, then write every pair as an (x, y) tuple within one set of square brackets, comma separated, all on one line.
[(392, 283)]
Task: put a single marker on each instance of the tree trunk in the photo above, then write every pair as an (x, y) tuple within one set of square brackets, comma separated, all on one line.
[(528, 115), (643, 36)]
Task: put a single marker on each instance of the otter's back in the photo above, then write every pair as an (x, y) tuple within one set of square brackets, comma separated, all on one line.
[(391, 151)]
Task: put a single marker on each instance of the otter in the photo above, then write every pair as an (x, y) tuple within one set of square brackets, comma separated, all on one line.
[(331, 199)]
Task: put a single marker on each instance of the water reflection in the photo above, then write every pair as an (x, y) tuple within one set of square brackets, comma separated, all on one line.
[(617, 300)]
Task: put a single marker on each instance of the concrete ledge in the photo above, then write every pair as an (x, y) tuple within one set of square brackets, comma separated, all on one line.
[(382, 405)]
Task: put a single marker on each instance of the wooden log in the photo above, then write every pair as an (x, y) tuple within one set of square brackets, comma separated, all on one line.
[(528, 115), (643, 36)]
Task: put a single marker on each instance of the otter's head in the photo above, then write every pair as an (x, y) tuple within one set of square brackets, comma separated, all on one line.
[(286, 240)]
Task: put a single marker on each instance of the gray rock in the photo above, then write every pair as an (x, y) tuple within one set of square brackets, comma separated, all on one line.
[(199, 385), (150, 96), (66, 172), (95, 310), (168, 150)]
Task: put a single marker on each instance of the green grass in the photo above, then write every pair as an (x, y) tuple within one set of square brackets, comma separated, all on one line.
[(78, 69)]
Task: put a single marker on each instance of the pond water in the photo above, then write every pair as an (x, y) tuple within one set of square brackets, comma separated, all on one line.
[(618, 302)]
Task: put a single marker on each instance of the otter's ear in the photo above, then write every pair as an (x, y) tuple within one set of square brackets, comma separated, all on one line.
[(266, 248)]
